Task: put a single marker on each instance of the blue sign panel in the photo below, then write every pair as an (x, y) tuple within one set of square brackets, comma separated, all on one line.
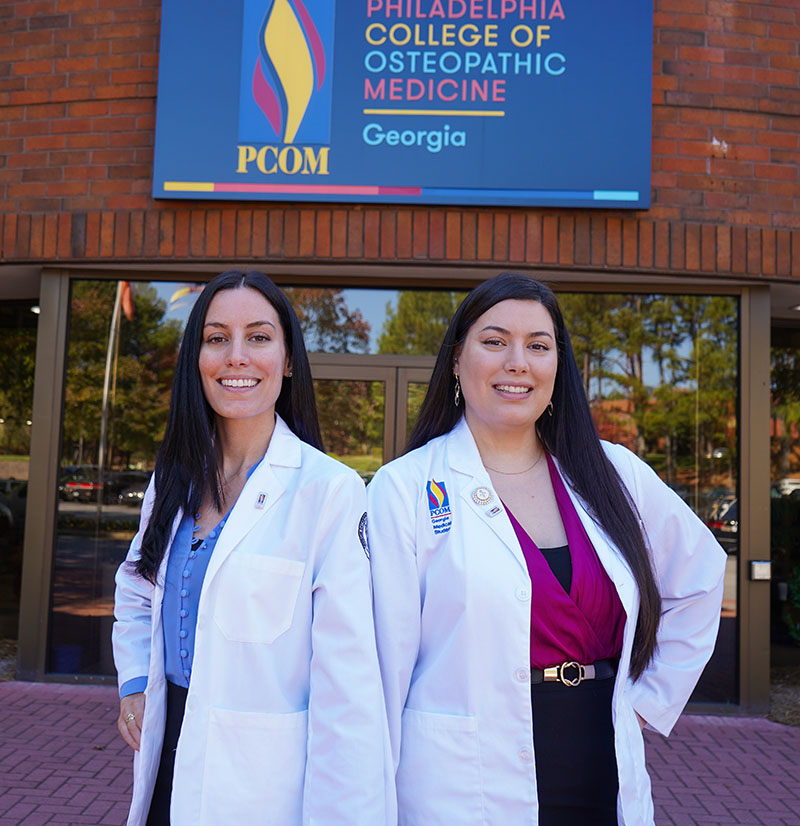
[(497, 102)]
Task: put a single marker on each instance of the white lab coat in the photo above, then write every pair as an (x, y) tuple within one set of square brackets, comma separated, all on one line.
[(453, 610), (284, 722)]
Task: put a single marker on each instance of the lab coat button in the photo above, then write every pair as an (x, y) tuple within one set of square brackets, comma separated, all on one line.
[(184, 612), (184, 592), (523, 594), (525, 755), (522, 675), (213, 534), (184, 653), (183, 633)]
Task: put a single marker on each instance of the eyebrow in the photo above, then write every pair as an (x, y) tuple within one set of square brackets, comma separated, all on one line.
[(222, 326), (534, 334)]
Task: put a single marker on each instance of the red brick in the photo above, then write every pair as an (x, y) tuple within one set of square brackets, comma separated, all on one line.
[(371, 233), (151, 234), (244, 227), (355, 233), (485, 236), (227, 234), (738, 249), (692, 247), (259, 239), (783, 256), (469, 236), (291, 232), (339, 234), (212, 234), (630, 246), (516, 237), (136, 234), (404, 233), (436, 230), (613, 242), (388, 245), (583, 239), (166, 234), (550, 239), (106, 234), (533, 238), (420, 234), (768, 252), (197, 232), (36, 236), (500, 241), (306, 245), (645, 243), (661, 249), (452, 235), (598, 240), (121, 234), (566, 240), (92, 244)]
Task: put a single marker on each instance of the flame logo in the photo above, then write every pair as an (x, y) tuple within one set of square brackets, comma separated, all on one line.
[(436, 494), (290, 65)]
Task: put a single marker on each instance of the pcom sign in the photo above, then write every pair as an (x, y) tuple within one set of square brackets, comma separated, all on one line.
[(501, 102)]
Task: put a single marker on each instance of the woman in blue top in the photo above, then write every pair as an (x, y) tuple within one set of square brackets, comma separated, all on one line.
[(249, 682)]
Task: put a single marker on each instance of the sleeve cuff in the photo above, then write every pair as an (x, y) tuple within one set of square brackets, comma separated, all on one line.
[(133, 686)]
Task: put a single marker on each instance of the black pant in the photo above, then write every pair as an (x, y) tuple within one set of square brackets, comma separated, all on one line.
[(159, 806), (576, 764)]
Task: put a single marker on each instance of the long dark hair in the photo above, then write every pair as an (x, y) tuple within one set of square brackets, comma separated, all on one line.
[(569, 435), (187, 461)]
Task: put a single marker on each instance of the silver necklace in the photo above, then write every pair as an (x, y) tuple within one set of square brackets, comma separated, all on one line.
[(516, 472)]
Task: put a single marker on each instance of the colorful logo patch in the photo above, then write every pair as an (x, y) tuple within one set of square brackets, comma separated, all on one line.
[(287, 51), (439, 507)]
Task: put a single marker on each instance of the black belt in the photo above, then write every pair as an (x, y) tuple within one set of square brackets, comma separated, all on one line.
[(573, 673)]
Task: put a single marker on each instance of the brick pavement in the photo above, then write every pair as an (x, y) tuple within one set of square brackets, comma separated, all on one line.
[(62, 762)]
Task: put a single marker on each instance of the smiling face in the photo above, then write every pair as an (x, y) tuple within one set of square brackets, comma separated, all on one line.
[(507, 366), (243, 355)]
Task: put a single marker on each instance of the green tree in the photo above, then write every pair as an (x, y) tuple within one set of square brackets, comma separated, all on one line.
[(143, 366), (416, 326), (328, 324)]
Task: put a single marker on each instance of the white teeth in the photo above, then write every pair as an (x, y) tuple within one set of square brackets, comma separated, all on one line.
[(508, 388), (239, 382)]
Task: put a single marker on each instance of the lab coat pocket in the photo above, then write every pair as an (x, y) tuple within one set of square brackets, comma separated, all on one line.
[(439, 776), (254, 768), (256, 597)]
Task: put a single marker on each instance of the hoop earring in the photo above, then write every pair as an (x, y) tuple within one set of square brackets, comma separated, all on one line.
[(550, 408), (458, 389)]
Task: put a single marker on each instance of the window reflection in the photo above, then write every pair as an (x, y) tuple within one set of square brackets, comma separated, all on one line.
[(785, 497), (661, 374), (18, 321)]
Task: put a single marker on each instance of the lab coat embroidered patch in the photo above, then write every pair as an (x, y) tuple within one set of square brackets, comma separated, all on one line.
[(439, 507)]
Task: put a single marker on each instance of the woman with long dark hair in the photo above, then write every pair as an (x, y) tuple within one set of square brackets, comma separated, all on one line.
[(539, 595), (249, 681)]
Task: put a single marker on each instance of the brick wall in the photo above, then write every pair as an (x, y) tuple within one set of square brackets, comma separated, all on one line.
[(77, 105)]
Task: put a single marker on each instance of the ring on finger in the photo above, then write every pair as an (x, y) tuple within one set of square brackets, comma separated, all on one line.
[(130, 717)]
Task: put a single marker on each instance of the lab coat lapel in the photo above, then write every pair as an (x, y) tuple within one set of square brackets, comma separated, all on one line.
[(465, 460), (259, 495)]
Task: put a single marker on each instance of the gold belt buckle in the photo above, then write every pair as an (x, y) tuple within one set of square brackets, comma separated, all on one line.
[(575, 680)]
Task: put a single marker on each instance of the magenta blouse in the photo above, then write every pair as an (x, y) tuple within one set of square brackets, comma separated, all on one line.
[(585, 624)]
